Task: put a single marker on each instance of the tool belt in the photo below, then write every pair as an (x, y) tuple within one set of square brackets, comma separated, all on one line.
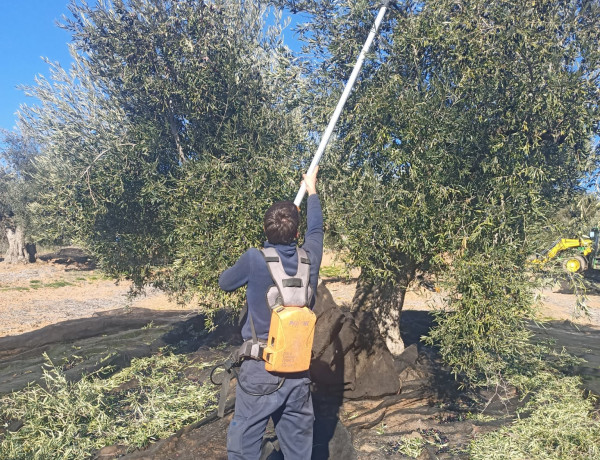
[(250, 349)]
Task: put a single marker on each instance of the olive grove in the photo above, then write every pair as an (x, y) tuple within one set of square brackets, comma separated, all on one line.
[(168, 138), (473, 121), (16, 191)]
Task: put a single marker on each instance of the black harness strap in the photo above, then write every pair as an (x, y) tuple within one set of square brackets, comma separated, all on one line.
[(248, 350), (228, 374), (292, 282), (225, 383)]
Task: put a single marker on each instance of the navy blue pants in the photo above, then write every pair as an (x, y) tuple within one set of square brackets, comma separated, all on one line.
[(290, 407)]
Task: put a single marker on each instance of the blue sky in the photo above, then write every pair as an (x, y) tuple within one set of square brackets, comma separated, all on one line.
[(28, 32)]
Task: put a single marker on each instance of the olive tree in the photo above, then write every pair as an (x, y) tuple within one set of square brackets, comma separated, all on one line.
[(167, 139), (16, 190), (473, 122)]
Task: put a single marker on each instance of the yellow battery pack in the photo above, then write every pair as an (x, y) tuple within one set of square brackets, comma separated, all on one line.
[(290, 340)]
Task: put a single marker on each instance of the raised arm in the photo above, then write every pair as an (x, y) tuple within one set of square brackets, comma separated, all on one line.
[(313, 239)]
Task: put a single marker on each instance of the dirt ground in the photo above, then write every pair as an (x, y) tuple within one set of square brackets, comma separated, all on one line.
[(36, 295), (429, 406)]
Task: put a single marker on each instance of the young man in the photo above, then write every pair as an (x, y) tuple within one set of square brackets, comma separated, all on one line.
[(261, 395)]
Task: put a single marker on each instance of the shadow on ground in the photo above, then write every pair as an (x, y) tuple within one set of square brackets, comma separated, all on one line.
[(578, 340), (429, 405), (75, 257)]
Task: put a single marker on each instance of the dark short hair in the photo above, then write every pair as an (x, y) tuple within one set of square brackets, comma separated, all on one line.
[(281, 222)]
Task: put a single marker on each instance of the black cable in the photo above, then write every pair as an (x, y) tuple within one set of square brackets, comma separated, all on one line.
[(257, 394), (231, 368)]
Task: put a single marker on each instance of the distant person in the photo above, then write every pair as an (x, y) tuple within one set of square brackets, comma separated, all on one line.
[(260, 395)]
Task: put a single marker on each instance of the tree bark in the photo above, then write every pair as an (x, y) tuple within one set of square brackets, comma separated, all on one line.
[(18, 251), (31, 250), (385, 301)]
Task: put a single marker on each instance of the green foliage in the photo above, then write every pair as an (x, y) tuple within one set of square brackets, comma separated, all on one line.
[(482, 335), (558, 422), (337, 268), (16, 188), (335, 271), (461, 130), (37, 284), (168, 138), (472, 124), (16, 288), (575, 219), (147, 401), (58, 284), (411, 447)]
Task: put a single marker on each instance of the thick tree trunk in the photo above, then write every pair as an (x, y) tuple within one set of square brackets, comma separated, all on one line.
[(18, 251), (385, 300)]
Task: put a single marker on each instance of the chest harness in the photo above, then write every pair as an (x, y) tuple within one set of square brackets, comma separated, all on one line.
[(291, 331)]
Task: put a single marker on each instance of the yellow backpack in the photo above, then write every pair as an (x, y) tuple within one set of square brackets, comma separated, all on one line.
[(291, 332), (292, 326)]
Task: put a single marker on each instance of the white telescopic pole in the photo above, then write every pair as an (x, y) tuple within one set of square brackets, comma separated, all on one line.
[(342, 101)]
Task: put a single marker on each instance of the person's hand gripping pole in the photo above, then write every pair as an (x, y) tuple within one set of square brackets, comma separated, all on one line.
[(310, 181)]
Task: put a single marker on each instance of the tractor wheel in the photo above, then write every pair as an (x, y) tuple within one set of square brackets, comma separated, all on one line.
[(575, 264)]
